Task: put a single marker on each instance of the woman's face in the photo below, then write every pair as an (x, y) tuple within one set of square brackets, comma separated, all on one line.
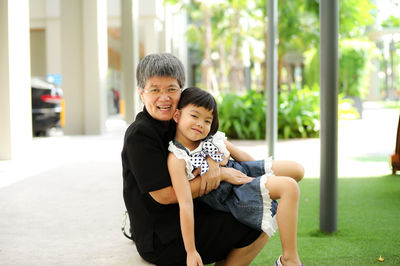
[(161, 96)]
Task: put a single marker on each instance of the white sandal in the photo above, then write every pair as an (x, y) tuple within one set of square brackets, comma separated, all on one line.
[(278, 261)]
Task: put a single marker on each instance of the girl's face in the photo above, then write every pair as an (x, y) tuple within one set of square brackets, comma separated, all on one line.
[(161, 96), (193, 124)]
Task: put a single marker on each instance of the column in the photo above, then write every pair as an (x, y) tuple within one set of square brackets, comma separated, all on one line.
[(130, 58), (72, 65), (95, 61), (151, 17), (329, 27), (272, 76), (151, 36), (15, 90), (175, 40), (84, 65), (53, 37)]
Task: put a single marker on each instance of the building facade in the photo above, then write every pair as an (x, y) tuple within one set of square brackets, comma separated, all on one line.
[(92, 46)]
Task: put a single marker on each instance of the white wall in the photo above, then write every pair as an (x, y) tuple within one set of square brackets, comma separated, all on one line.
[(159, 30)]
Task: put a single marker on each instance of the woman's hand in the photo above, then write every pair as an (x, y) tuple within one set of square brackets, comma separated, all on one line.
[(224, 161), (233, 176), (193, 259), (211, 179)]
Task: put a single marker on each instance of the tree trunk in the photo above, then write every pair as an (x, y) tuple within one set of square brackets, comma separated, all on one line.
[(236, 78), (264, 64), (206, 65), (223, 80), (279, 73)]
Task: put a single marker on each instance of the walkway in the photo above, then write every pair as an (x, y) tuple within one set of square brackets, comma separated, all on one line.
[(61, 204), (365, 146)]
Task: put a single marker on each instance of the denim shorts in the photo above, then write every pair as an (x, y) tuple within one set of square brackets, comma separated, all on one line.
[(249, 203), (249, 168)]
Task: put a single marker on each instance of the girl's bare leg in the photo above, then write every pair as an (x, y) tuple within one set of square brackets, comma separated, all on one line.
[(282, 185), (287, 191), (244, 256), (288, 168)]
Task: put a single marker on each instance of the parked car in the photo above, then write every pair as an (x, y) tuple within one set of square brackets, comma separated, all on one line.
[(46, 106)]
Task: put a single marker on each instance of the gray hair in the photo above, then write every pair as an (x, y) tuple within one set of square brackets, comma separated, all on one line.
[(164, 65)]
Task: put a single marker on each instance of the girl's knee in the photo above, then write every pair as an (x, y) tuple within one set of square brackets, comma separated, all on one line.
[(292, 188), (283, 186), (288, 168), (298, 171)]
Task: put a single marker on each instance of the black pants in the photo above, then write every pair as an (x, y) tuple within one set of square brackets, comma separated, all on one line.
[(216, 234)]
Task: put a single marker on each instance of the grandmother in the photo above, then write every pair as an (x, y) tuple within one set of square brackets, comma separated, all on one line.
[(148, 194)]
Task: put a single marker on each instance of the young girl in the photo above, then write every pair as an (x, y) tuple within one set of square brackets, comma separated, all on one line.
[(250, 201)]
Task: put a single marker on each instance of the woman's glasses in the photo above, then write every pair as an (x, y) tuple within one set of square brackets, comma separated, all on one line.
[(157, 91)]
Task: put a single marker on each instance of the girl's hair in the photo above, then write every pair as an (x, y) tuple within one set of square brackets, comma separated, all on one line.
[(201, 98), (163, 65)]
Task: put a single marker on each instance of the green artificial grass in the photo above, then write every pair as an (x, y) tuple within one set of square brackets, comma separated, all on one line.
[(373, 158), (368, 225), (391, 104)]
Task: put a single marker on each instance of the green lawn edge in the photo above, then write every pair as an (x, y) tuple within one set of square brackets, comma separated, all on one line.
[(368, 225)]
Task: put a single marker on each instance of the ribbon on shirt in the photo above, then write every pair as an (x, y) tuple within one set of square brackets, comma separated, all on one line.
[(198, 159)]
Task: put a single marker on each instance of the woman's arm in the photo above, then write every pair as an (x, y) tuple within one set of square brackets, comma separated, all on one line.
[(152, 176), (210, 180), (238, 154), (180, 183), (167, 195), (214, 176)]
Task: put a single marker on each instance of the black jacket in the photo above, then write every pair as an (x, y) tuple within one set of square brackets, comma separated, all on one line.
[(144, 164)]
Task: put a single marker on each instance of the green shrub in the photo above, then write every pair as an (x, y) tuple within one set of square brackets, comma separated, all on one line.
[(298, 114), (242, 116)]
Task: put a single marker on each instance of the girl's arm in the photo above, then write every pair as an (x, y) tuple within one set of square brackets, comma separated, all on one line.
[(211, 179), (238, 154), (180, 183)]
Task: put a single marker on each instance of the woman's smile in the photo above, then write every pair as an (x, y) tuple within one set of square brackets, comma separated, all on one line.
[(164, 107)]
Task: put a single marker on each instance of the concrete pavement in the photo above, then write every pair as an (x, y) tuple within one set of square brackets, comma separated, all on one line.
[(364, 146), (61, 203)]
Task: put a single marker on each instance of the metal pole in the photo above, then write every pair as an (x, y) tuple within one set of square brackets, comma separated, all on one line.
[(329, 24), (272, 66)]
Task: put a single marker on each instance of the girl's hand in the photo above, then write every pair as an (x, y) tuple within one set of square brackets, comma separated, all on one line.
[(233, 176), (211, 179), (193, 259)]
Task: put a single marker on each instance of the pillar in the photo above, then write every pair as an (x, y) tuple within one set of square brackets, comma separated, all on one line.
[(72, 65), (95, 55), (130, 58), (329, 27), (15, 90), (272, 76), (151, 24), (53, 37), (84, 65), (174, 39)]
